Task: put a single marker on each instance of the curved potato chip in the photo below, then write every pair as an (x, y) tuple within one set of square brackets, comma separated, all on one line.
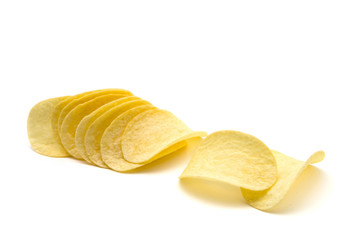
[(73, 118), (152, 132), (288, 171), (39, 125), (93, 136), (235, 158), (88, 120), (111, 150)]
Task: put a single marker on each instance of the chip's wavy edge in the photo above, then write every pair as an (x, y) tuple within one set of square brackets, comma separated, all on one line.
[(289, 169)]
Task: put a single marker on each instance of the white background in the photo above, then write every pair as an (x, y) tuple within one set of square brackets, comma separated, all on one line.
[(287, 72)]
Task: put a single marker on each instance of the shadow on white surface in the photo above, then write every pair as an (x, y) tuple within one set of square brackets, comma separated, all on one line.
[(213, 192), (307, 192), (76, 160)]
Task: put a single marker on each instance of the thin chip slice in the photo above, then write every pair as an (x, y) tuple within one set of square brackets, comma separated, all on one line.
[(235, 158), (73, 118), (151, 133), (57, 111), (42, 139), (111, 150), (93, 136), (288, 171), (89, 119)]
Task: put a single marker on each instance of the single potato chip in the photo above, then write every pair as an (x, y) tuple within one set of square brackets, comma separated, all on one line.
[(89, 119), (235, 158), (111, 150), (42, 138), (151, 134), (93, 136), (288, 171), (73, 118)]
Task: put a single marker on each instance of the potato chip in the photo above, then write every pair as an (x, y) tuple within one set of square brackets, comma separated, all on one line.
[(111, 150), (288, 171), (42, 138), (89, 119), (73, 118), (93, 136), (151, 133), (235, 158)]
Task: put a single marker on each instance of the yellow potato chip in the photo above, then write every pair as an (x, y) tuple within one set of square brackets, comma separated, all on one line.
[(288, 171), (73, 118), (89, 119), (41, 136), (235, 158), (111, 150), (151, 133), (93, 136)]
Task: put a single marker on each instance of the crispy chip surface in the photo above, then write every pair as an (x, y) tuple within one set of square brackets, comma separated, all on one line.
[(113, 129), (288, 171), (93, 136), (74, 117), (111, 149), (84, 97), (233, 157), (42, 138), (55, 126), (152, 132), (89, 119)]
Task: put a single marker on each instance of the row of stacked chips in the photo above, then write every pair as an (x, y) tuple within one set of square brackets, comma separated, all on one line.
[(112, 128), (109, 128)]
